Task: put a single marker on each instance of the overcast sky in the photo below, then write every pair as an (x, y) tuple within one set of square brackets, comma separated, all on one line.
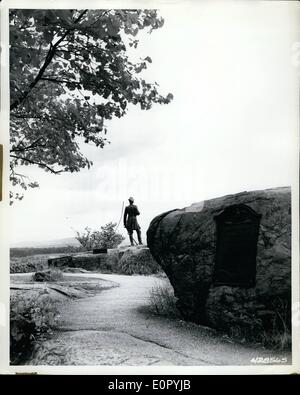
[(231, 127)]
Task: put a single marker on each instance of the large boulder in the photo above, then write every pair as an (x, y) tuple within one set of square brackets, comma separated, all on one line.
[(228, 259)]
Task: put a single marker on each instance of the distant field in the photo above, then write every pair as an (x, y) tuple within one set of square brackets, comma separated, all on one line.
[(23, 252)]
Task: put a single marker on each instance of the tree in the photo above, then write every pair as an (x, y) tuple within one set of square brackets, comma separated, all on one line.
[(70, 72), (107, 237)]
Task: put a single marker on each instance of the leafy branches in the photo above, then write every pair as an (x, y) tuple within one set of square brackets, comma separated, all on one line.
[(70, 72), (107, 237), (48, 59)]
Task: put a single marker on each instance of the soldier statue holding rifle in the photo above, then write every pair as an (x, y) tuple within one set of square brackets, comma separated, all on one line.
[(130, 221)]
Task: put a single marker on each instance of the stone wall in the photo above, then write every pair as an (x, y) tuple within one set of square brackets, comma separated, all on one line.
[(87, 261), (183, 242), (122, 260)]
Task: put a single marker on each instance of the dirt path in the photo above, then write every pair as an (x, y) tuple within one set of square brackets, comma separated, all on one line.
[(112, 328)]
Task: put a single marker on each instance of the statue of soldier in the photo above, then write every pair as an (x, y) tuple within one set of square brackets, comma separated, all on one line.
[(130, 221)]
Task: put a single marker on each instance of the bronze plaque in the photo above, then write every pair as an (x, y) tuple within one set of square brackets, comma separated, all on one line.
[(237, 236)]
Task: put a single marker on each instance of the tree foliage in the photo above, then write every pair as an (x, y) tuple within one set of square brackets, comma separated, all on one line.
[(70, 72), (107, 237)]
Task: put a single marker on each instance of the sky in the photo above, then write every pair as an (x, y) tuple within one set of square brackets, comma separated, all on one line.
[(231, 127)]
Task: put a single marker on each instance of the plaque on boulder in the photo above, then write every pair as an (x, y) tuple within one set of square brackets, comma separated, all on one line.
[(236, 248)]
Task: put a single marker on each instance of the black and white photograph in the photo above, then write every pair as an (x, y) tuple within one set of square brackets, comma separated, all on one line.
[(152, 158)]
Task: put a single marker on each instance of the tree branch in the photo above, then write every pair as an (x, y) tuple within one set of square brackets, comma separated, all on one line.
[(49, 57), (28, 147), (39, 164), (59, 81)]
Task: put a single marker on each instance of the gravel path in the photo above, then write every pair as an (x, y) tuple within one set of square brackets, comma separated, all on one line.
[(113, 328)]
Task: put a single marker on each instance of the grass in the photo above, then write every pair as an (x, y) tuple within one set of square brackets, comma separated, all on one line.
[(162, 300), (130, 268), (272, 331), (279, 335), (137, 263), (275, 335), (276, 339), (31, 318)]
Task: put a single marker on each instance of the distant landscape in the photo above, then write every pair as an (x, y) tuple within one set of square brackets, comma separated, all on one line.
[(23, 252), (57, 246), (64, 242)]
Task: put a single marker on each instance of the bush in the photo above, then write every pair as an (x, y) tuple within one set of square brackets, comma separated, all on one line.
[(107, 237), (138, 261), (163, 301), (28, 264), (270, 328), (277, 334), (48, 275), (31, 318)]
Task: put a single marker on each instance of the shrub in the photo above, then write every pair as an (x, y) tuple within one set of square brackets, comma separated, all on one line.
[(271, 328), (28, 264), (31, 318), (163, 301), (48, 275), (138, 261), (107, 237), (277, 335)]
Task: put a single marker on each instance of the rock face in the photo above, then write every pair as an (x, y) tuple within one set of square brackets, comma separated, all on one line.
[(89, 261), (228, 259)]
